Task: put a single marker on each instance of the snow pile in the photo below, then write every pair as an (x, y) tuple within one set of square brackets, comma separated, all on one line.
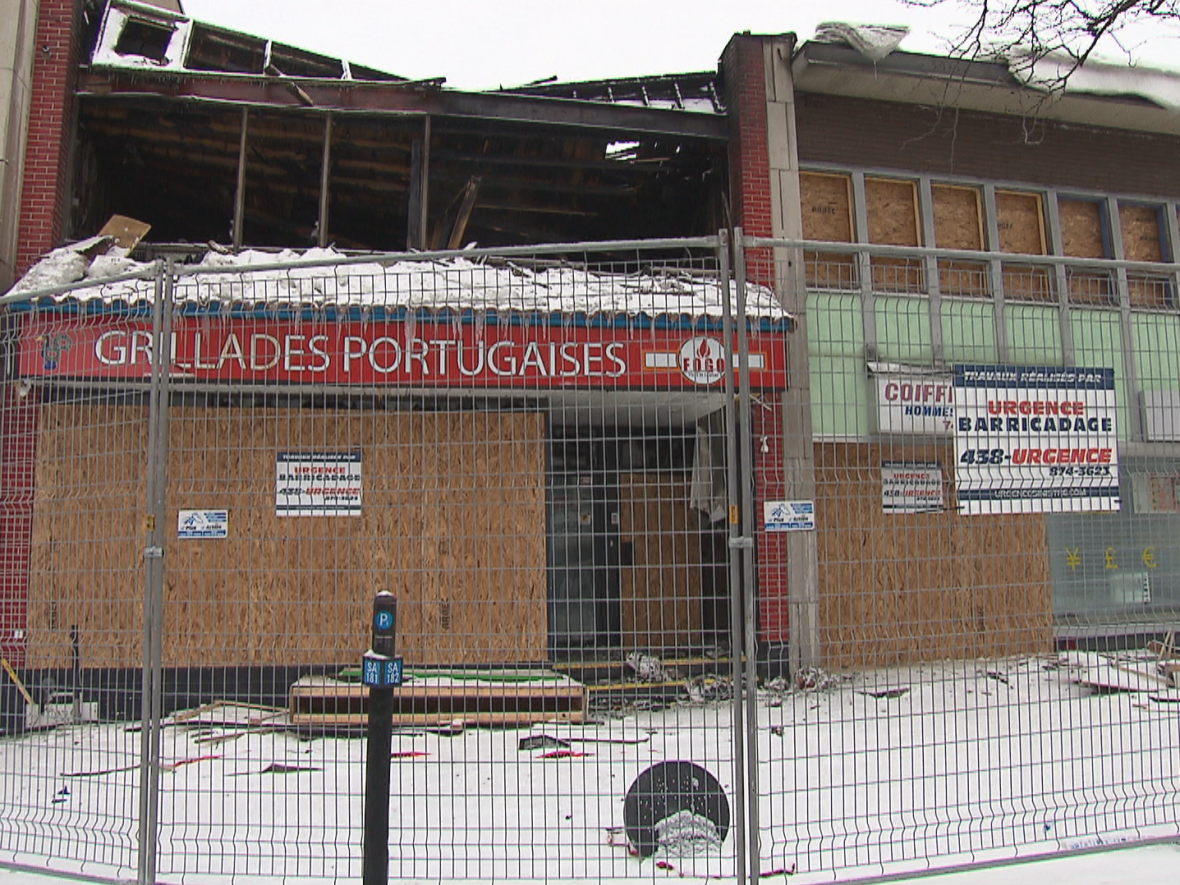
[(1059, 72), (685, 834), (874, 42), (320, 278)]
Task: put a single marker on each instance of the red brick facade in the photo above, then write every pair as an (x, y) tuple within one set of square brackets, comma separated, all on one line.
[(55, 63), (752, 210)]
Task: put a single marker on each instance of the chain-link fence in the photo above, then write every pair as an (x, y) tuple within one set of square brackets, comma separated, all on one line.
[(606, 485)]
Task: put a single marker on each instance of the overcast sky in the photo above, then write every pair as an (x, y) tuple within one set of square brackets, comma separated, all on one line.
[(483, 44)]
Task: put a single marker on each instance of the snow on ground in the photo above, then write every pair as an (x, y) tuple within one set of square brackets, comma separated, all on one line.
[(889, 772)]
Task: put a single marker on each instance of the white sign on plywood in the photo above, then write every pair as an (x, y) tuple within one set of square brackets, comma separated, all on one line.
[(318, 484), (911, 488)]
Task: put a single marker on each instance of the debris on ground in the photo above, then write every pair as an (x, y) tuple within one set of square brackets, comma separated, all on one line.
[(647, 667), (101, 771), (1106, 673), (284, 768), (708, 688), (997, 676), (885, 693), (540, 741), (180, 763)]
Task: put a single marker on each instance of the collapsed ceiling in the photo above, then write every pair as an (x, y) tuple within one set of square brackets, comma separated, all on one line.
[(206, 135)]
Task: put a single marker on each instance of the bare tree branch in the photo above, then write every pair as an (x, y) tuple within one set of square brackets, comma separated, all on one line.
[(1065, 32)]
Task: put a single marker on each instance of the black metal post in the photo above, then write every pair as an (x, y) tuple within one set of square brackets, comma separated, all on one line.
[(380, 744)]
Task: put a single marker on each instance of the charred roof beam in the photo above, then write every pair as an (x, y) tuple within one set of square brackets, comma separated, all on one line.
[(399, 99)]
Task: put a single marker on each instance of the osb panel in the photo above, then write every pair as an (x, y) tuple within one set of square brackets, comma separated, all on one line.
[(900, 588), (1081, 237), (1141, 233), (892, 207), (1081, 228), (661, 590), (826, 202), (958, 217), (893, 211), (86, 552), (1142, 242), (1021, 222), (453, 525)]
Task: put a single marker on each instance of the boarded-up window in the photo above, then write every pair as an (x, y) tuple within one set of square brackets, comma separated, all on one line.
[(892, 208), (1084, 235), (958, 224), (1143, 241), (1020, 218), (826, 201)]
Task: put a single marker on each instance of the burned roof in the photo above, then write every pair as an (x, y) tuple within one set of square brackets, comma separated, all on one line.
[(212, 135)]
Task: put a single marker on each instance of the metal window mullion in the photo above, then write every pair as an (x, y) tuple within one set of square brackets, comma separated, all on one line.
[(996, 271), (864, 266), (1172, 233), (1123, 291), (1060, 278), (933, 287)]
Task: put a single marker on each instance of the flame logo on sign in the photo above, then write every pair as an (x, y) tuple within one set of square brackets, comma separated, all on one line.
[(52, 348), (702, 360)]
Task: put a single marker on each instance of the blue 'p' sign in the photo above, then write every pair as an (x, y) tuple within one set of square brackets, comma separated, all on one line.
[(384, 620)]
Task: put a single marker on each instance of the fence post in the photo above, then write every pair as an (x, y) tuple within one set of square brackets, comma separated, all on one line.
[(740, 779), (153, 596), (745, 544)]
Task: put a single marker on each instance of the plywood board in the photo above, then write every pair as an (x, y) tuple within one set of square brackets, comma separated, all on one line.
[(1082, 236), (826, 202), (958, 224), (892, 208), (661, 588), (901, 588), (126, 231), (1081, 228), (958, 217), (1020, 218), (452, 524), (1143, 241)]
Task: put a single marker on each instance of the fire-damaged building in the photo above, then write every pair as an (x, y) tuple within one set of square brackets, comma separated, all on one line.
[(528, 447)]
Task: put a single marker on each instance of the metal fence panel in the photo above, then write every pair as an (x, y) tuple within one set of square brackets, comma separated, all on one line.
[(530, 455), (604, 494), (74, 465), (994, 581)]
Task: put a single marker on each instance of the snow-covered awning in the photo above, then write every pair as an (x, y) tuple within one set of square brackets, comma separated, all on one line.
[(321, 279)]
